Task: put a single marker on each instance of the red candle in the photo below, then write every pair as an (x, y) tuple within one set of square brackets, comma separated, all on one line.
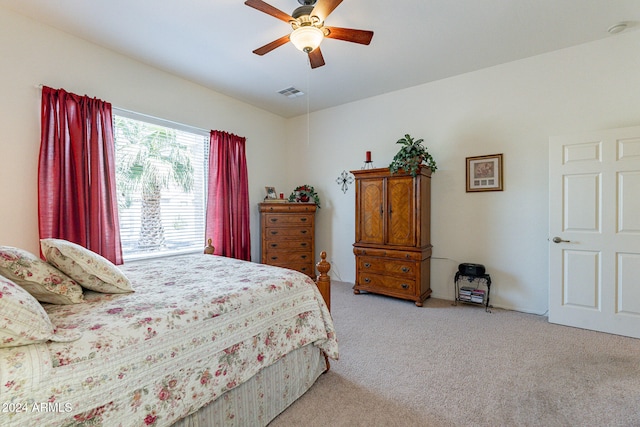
[(368, 159), (282, 195)]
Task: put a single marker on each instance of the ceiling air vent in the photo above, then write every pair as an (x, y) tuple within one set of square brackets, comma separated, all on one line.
[(291, 92)]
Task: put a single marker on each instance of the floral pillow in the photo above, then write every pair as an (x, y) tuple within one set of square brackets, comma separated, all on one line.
[(23, 320), (89, 269), (40, 279)]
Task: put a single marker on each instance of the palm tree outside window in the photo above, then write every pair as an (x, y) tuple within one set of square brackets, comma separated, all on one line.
[(160, 179)]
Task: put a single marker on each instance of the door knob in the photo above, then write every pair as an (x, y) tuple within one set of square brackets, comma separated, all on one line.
[(559, 240)]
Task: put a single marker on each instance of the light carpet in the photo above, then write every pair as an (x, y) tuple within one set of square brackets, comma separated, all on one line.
[(445, 365)]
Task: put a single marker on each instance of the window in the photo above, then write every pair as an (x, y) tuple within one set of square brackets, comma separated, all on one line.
[(160, 178)]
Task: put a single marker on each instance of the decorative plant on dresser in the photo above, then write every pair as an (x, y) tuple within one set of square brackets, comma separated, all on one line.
[(393, 238), (288, 235)]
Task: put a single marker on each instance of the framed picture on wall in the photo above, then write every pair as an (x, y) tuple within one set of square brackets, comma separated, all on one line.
[(484, 173)]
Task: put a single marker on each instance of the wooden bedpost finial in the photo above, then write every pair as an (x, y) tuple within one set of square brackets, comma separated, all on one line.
[(209, 249), (324, 281), (323, 266)]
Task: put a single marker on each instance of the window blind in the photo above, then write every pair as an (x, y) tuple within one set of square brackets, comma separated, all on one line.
[(162, 185)]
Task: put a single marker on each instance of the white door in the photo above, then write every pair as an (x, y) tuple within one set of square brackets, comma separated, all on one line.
[(594, 221)]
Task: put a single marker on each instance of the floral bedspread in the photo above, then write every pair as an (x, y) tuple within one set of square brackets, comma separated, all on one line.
[(195, 327)]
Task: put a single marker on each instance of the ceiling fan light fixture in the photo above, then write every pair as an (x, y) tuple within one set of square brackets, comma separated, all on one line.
[(306, 38)]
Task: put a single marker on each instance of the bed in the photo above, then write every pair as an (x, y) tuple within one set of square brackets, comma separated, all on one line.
[(202, 340)]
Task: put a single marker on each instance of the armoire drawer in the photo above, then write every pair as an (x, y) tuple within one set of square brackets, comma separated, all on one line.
[(390, 253), (386, 266), (380, 283)]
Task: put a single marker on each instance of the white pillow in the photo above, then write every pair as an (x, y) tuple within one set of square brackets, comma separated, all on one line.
[(86, 267), (23, 320), (45, 282)]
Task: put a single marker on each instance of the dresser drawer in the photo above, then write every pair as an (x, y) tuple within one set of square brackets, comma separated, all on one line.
[(287, 220), (286, 232), (306, 268), (386, 266), (287, 244), (281, 256), (381, 283)]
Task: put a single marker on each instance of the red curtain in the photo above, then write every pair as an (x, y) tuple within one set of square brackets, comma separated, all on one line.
[(228, 196), (76, 174)]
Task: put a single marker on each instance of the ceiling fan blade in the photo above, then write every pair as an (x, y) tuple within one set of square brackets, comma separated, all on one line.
[(315, 58), (270, 46), (269, 10), (350, 35), (323, 8)]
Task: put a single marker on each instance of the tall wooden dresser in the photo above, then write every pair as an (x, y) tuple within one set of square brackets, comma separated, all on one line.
[(288, 235), (393, 238)]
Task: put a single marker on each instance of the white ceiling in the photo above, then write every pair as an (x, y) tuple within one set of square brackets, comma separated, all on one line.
[(210, 42)]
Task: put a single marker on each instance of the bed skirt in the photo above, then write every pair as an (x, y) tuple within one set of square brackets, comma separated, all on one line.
[(258, 401)]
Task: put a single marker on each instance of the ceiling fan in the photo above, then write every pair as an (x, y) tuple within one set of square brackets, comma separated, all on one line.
[(307, 22)]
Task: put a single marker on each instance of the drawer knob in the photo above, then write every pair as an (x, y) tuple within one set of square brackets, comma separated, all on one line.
[(405, 269), (303, 244), (303, 256), (274, 258), (303, 219), (273, 232), (404, 286), (303, 231), (367, 264), (274, 245), (273, 219), (367, 280)]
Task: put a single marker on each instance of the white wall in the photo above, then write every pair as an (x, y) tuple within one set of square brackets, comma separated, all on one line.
[(510, 109), (32, 54)]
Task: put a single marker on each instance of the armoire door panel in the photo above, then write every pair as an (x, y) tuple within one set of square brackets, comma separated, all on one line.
[(371, 223), (401, 228)]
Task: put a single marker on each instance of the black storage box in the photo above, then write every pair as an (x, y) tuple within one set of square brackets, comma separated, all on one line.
[(468, 269)]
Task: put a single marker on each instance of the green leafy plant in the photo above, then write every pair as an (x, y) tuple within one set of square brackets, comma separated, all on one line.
[(411, 156), (305, 194)]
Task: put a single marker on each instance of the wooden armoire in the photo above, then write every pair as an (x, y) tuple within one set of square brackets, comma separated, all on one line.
[(393, 238)]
